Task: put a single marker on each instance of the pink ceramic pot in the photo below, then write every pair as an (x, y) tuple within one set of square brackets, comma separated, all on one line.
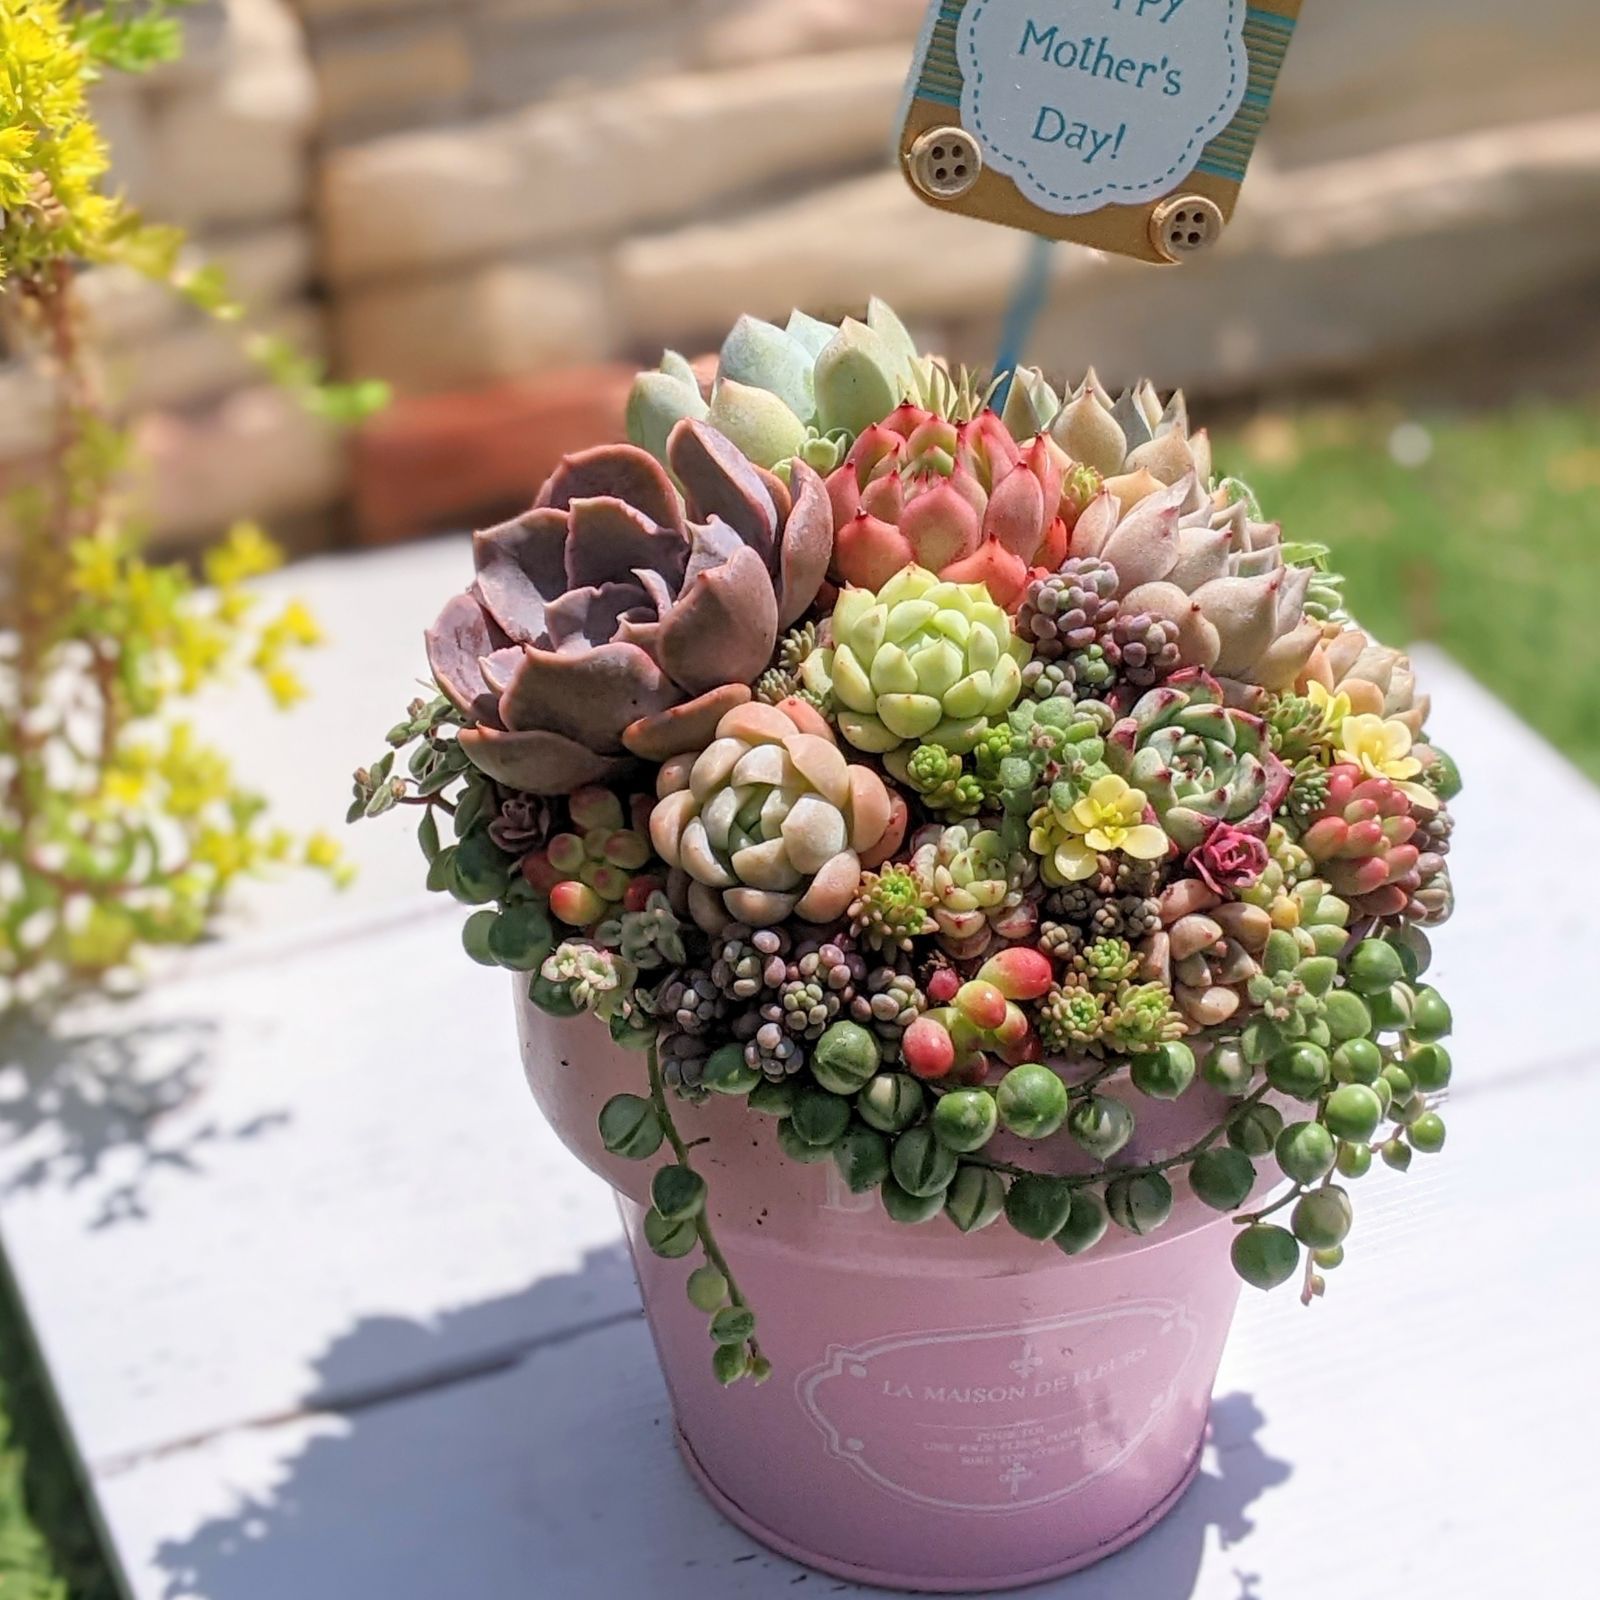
[(947, 1412)]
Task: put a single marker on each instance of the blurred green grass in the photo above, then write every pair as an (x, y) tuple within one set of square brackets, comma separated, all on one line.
[(48, 1549), (1480, 533)]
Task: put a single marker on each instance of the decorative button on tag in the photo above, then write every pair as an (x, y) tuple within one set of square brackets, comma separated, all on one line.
[(1123, 124)]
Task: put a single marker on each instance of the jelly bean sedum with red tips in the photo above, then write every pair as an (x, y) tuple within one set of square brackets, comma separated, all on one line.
[(951, 786)]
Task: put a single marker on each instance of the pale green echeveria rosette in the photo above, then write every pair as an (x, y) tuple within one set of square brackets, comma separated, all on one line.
[(920, 661), (803, 390)]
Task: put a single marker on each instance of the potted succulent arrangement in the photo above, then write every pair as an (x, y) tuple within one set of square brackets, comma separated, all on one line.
[(967, 878)]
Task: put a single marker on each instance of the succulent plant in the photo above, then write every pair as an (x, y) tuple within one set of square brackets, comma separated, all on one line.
[(1070, 609), (1129, 436), (920, 660), (782, 678), (745, 960), (1362, 842), (585, 875), (804, 390), (1374, 679), (1208, 569), (1071, 833), (1043, 750), (523, 823), (615, 620), (1116, 901), (1301, 727), (596, 980), (770, 821), (941, 778), (690, 1002), (818, 984), (1072, 1018), (1144, 648), (888, 911), (962, 499), (1207, 951), (1229, 859), (649, 937), (1141, 1017), (889, 1002), (974, 886), (1106, 964), (1201, 762)]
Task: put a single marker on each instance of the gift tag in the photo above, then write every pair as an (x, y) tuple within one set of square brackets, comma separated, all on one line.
[(1122, 124)]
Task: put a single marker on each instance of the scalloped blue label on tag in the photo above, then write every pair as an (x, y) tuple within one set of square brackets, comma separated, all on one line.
[(1090, 103)]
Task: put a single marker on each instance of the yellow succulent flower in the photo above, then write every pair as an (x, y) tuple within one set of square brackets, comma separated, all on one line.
[(1381, 747), (1108, 819), (1334, 707)]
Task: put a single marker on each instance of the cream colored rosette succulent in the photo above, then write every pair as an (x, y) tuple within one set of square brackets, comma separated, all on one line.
[(770, 821)]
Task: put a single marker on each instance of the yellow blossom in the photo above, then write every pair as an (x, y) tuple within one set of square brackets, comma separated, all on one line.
[(1333, 707), (322, 851), (246, 553), (1381, 747), (1109, 818)]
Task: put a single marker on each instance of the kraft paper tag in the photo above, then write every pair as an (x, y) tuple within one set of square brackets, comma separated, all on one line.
[(1122, 124)]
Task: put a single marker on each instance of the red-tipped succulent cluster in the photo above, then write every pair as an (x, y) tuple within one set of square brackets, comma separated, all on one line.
[(1361, 842), (973, 1020), (964, 500)]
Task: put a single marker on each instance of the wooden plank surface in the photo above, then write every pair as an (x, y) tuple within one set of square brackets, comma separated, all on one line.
[(330, 1313)]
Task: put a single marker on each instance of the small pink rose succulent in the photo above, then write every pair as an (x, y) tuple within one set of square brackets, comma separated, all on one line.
[(1229, 859)]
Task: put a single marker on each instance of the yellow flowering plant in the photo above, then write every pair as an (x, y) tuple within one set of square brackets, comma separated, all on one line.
[(120, 829)]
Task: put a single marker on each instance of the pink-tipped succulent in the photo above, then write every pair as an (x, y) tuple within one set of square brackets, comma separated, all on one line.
[(618, 618), (1362, 843), (589, 872), (964, 500)]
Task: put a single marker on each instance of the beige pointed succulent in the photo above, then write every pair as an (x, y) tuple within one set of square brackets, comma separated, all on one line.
[(1184, 553), (1202, 563), (769, 820), (1377, 680), (1132, 437)]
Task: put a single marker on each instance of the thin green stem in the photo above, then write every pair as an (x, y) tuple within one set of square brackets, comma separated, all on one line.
[(702, 1223)]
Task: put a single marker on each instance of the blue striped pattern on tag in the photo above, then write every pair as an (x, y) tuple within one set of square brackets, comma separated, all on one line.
[(1266, 38)]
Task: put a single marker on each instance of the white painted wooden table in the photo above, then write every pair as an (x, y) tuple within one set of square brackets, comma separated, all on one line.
[(331, 1317)]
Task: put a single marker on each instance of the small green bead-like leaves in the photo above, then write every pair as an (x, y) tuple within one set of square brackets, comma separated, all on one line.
[(921, 1165), (667, 1238), (707, 1289), (1222, 1178), (1038, 1206), (475, 937), (1139, 1201), (678, 1193), (1265, 1255), (1086, 1224), (733, 1325), (730, 1362), (629, 1127)]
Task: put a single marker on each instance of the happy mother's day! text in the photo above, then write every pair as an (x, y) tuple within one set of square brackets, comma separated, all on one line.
[(1150, 70)]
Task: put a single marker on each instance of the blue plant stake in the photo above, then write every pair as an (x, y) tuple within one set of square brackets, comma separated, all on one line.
[(1027, 301)]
